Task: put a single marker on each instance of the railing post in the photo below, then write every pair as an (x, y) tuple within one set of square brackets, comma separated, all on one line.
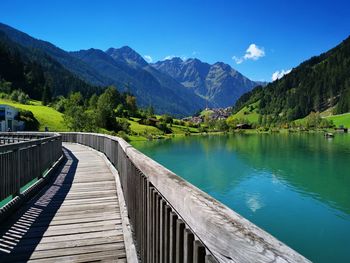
[(40, 161), (17, 170), (198, 252), (188, 246), (172, 248), (180, 227)]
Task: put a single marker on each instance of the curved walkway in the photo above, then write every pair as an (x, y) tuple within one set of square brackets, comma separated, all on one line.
[(76, 218)]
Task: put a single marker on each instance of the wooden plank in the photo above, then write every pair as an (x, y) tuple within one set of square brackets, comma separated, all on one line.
[(54, 239), (70, 244), (117, 248), (77, 218), (106, 256)]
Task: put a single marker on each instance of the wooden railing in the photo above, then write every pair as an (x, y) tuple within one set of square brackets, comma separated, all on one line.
[(173, 221), (24, 157), (8, 140)]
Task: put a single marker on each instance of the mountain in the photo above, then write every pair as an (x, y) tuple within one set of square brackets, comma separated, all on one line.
[(130, 72), (220, 84), (121, 67), (74, 65), (315, 85), (127, 55), (35, 72), (177, 87)]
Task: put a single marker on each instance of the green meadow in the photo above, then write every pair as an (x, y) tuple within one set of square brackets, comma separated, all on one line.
[(47, 116), (342, 119)]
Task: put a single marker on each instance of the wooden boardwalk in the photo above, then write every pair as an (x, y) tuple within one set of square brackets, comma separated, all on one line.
[(76, 218)]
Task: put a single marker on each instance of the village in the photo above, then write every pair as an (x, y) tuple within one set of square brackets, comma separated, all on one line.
[(211, 114)]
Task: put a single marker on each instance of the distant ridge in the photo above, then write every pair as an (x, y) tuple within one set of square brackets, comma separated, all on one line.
[(174, 86), (220, 84), (130, 72)]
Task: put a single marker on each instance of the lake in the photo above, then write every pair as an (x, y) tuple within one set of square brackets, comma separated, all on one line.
[(294, 186)]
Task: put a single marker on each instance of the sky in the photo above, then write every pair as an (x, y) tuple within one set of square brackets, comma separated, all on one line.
[(260, 39)]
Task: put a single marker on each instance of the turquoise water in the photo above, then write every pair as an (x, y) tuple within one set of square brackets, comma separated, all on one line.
[(296, 187)]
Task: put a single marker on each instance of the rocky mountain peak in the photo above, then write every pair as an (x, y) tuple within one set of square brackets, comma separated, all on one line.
[(128, 55)]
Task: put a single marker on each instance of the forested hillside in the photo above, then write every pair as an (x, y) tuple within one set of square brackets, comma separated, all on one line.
[(315, 85), (129, 71), (36, 73)]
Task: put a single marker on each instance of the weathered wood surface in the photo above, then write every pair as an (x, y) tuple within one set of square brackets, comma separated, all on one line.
[(76, 218), (213, 231), (23, 161)]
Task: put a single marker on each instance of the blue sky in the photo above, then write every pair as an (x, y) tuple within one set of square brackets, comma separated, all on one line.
[(257, 38)]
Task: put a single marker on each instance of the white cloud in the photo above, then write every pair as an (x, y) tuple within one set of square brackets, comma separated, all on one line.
[(237, 60), (169, 57), (253, 52), (279, 74), (148, 58), (194, 53), (254, 202)]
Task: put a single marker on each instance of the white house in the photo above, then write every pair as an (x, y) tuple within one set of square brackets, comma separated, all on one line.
[(7, 119)]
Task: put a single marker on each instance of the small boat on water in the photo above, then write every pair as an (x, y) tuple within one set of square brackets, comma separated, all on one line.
[(328, 135)]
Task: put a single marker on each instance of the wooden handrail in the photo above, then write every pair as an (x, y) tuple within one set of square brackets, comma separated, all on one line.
[(174, 221), (21, 162), (27, 143)]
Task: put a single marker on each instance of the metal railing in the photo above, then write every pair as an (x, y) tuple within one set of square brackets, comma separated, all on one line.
[(25, 157), (173, 221)]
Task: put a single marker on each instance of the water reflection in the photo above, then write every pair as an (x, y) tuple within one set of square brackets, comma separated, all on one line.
[(296, 187), (308, 163)]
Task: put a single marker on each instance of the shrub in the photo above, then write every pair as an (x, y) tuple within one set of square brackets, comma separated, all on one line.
[(166, 118), (23, 98), (123, 135), (30, 122), (163, 127), (122, 125)]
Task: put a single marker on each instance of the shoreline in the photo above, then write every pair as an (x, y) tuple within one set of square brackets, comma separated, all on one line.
[(134, 138)]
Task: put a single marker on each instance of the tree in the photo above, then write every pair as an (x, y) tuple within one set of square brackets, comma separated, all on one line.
[(150, 111), (221, 125), (23, 98), (75, 116), (131, 103), (46, 98), (123, 125), (76, 119), (93, 101), (166, 118), (106, 104)]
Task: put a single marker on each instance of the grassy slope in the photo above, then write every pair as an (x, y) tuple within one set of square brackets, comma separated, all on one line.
[(206, 112), (53, 119), (142, 130), (45, 115), (250, 116), (342, 119)]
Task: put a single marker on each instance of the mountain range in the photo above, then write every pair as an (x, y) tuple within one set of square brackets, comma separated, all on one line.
[(220, 84), (171, 86)]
